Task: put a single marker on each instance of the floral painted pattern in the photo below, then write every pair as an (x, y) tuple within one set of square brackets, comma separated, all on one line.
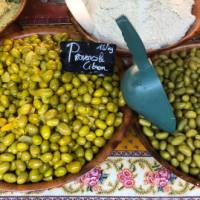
[(125, 176), (155, 177), (92, 179), (136, 176), (161, 178), (133, 176)]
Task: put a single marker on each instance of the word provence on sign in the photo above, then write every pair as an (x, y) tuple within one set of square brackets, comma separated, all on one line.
[(88, 57)]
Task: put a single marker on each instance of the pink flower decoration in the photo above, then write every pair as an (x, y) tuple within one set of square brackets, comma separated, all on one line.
[(92, 177), (159, 178), (96, 172), (85, 178), (147, 178), (121, 177), (162, 182), (150, 177), (156, 179), (126, 178), (127, 173), (164, 173), (128, 183), (93, 181)]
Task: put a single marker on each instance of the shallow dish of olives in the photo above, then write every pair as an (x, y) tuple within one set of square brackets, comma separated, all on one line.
[(54, 125), (179, 72)]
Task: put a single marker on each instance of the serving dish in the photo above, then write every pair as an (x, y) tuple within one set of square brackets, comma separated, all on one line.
[(100, 157), (146, 142), (21, 7), (195, 28)]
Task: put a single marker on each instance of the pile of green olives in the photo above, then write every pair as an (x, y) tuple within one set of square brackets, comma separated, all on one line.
[(52, 122), (180, 75)]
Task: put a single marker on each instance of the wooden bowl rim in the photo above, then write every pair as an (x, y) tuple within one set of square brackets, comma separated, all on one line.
[(144, 139), (21, 8), (99, 158), (193, 30)]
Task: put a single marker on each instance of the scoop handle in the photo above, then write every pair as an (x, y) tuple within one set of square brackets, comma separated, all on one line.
[(134, 42)]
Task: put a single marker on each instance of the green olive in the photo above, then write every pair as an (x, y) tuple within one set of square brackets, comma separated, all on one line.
[(25, 109), (64, 129), (148, 132), (34, 151), (44, 146), (22, 146), (45, 132), (99, 141), (46, 157), (74, 167), (48, 172), (76, 125), (4, 167), (34, 119), (35, 163), (31, 129), (20, 165), (81, 140), (8, 139), (84, 131), (50, 114), (99, 132), (66, 157), (90, 136), (35, 176), (88, 154), (37, 140), (100, 124), (53, 122), (110, 119), (22, 178), (65, 140), (25, 156), (9, 178), (61, 171)]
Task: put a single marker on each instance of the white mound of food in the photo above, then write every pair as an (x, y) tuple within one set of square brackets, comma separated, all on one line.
[(158, 22)]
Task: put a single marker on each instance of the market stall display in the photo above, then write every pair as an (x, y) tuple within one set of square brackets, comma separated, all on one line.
[(182, 159)]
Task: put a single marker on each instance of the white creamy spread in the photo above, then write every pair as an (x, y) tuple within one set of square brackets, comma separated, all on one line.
[(158, 22)]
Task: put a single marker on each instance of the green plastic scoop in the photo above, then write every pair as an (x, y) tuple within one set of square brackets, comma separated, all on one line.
[(141, 86)]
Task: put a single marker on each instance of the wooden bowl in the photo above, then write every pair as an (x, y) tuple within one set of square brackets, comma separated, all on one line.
[(195, 28), (21, 7), (99, 158), (146, 142)]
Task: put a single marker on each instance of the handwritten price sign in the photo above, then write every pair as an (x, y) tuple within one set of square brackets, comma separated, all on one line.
[(88, 57)]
